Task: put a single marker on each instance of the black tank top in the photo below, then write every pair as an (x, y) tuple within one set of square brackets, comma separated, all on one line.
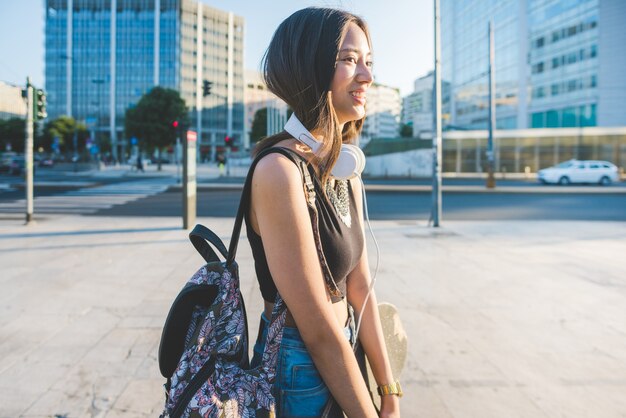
[(342, 245)]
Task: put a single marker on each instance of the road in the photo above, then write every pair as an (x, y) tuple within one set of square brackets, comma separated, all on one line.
[(412, 206), (155, 196)]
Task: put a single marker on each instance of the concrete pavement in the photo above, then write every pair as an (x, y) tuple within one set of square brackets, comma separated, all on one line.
[(505, 319)]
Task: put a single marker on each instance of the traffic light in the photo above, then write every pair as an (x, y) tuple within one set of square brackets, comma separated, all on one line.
[(175, 124), (40, 104), (206, 88), (228, 141)]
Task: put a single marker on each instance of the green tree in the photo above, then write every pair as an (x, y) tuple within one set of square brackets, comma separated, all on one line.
[(64, 128), (406, 130), (12, 134), (259, 125), (151, 120)]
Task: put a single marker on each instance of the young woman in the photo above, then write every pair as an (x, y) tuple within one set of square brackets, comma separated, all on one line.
[(319, 63)]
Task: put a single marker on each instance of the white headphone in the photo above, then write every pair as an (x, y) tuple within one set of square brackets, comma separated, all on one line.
[(351, 161)]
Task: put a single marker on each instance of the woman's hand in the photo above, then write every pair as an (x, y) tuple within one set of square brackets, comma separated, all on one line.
[(389, 406)]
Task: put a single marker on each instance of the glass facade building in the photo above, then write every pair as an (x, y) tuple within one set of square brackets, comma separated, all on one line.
[(556, 63), (103, 55)]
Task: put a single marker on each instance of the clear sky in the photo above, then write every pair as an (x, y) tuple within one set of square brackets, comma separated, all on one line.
[(402, 35)]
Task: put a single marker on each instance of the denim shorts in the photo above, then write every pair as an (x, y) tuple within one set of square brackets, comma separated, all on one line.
[(299, 389)]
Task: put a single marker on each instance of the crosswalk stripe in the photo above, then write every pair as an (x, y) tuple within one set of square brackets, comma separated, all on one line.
[(89, 200)]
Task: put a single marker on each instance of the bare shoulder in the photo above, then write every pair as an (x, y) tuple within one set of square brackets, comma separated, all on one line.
[(276, 171), (277, 188)]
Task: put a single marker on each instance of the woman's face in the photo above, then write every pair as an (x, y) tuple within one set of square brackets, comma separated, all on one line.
[(353, 75)]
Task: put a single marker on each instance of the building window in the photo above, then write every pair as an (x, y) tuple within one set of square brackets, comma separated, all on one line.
[(571, 31), (554, 89), (571, 85), (570, 117), (552, 119), (555, 62), (537, 120), (571, 58)]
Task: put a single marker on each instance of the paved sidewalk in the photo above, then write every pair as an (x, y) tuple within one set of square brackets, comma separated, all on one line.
[(505, 319)]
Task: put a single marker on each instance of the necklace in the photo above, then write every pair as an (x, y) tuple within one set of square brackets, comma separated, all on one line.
[(338, 196)]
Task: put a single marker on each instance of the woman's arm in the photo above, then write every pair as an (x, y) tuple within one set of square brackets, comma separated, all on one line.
[(281, 212), (370, 333)]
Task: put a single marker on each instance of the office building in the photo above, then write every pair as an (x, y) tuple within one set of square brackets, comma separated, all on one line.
[(383, 110), (103, 55), (558, 63)]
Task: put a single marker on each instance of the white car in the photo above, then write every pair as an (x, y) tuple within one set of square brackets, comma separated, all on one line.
[(575, 171)]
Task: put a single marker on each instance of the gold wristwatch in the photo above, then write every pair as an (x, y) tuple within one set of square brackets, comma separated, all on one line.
[(390, 389)]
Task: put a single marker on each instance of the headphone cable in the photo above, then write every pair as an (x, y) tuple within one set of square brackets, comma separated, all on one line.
[(373, 282)]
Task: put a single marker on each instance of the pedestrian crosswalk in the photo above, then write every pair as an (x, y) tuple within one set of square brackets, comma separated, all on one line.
[(89, 200)]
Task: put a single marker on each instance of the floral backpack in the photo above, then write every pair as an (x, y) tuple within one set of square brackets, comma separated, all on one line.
[(204, 345)]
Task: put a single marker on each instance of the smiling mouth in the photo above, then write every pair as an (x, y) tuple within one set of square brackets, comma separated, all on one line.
[(358, 96)]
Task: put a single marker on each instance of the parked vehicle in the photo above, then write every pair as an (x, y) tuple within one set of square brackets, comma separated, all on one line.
[(17, 166), (46, 162), (5, 161), (579, 171)]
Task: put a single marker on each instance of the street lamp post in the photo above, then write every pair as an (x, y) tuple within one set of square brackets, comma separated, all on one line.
[(28, 152), (435, 214), (491, 181), (98, 83)]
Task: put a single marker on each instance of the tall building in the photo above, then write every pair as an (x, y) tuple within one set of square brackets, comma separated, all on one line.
[(558, 63), (417, 107), (383, 113), (103, 55), (12, 104)]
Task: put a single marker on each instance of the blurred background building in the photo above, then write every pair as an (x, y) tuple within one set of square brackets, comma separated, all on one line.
[(12, 104), (103, 55), (259, 99), (384, 106), (417, 107), (558, 63)]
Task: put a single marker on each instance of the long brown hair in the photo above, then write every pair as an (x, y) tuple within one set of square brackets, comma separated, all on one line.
[(298, 67)]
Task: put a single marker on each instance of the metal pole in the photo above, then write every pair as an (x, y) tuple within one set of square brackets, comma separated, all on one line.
[(189, 140), (491, 181), (28, 151), (437, 143), (177, 153)]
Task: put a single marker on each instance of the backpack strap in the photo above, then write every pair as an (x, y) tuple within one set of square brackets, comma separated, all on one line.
[(200, 237), (310, 193)]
